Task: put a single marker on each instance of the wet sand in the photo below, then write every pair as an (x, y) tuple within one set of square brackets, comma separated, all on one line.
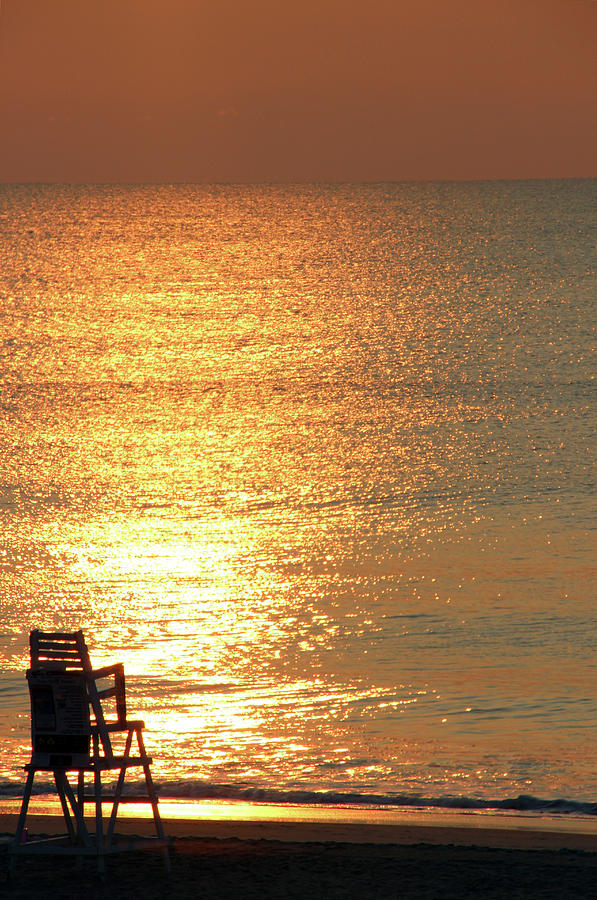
[(217, 858)]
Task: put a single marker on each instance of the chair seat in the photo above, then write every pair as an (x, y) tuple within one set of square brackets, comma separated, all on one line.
[(94, 765)]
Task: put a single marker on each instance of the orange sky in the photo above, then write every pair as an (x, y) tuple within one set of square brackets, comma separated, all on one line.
[(281, 90)]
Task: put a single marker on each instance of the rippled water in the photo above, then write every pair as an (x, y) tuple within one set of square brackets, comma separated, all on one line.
[(318, 464)]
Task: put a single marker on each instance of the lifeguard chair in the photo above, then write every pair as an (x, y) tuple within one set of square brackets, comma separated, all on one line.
[(74, 718)]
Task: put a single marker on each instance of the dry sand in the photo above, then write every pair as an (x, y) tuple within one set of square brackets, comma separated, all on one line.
[(222, 859)]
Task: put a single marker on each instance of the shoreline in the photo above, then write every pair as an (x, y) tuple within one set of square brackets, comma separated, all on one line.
[(289, 854), (311, 824)]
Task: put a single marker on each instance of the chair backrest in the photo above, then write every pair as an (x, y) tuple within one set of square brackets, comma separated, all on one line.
[(57, 650)]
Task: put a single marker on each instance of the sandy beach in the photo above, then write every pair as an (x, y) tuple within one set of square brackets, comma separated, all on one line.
[(434, 857)]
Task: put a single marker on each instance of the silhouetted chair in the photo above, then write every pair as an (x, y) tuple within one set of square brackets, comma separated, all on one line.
[(74, 719)]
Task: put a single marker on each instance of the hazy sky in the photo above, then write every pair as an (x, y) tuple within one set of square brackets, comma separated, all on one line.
[(297, 90)]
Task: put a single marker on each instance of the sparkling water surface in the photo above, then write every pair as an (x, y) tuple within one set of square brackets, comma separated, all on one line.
[(317, 464)]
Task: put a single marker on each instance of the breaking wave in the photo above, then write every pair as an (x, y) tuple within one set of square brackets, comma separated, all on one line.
[(200, 790)]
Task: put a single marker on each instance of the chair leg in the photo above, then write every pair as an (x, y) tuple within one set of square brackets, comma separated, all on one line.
[(18, 838), (118, 791), (82, 834), (62, 790), (153, 798), (81, 802), (99, 828), (81, 791)]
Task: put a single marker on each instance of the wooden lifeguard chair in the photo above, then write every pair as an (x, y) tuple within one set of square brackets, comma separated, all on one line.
[(75, 720)]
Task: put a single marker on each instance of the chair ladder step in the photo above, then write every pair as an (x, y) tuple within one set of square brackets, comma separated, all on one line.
[(109, 798)]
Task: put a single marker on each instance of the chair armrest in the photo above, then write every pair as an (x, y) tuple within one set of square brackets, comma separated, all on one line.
[(128, 725), (106, 671)]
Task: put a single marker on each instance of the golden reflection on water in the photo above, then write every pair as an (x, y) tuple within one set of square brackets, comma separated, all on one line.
[(304, 461)]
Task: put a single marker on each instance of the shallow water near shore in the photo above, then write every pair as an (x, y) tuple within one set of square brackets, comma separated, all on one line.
[(318, 465)]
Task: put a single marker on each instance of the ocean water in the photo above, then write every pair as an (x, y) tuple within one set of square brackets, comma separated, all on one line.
[(317, 463)]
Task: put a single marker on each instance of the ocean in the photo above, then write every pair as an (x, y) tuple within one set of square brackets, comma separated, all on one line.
[(317, 463)]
